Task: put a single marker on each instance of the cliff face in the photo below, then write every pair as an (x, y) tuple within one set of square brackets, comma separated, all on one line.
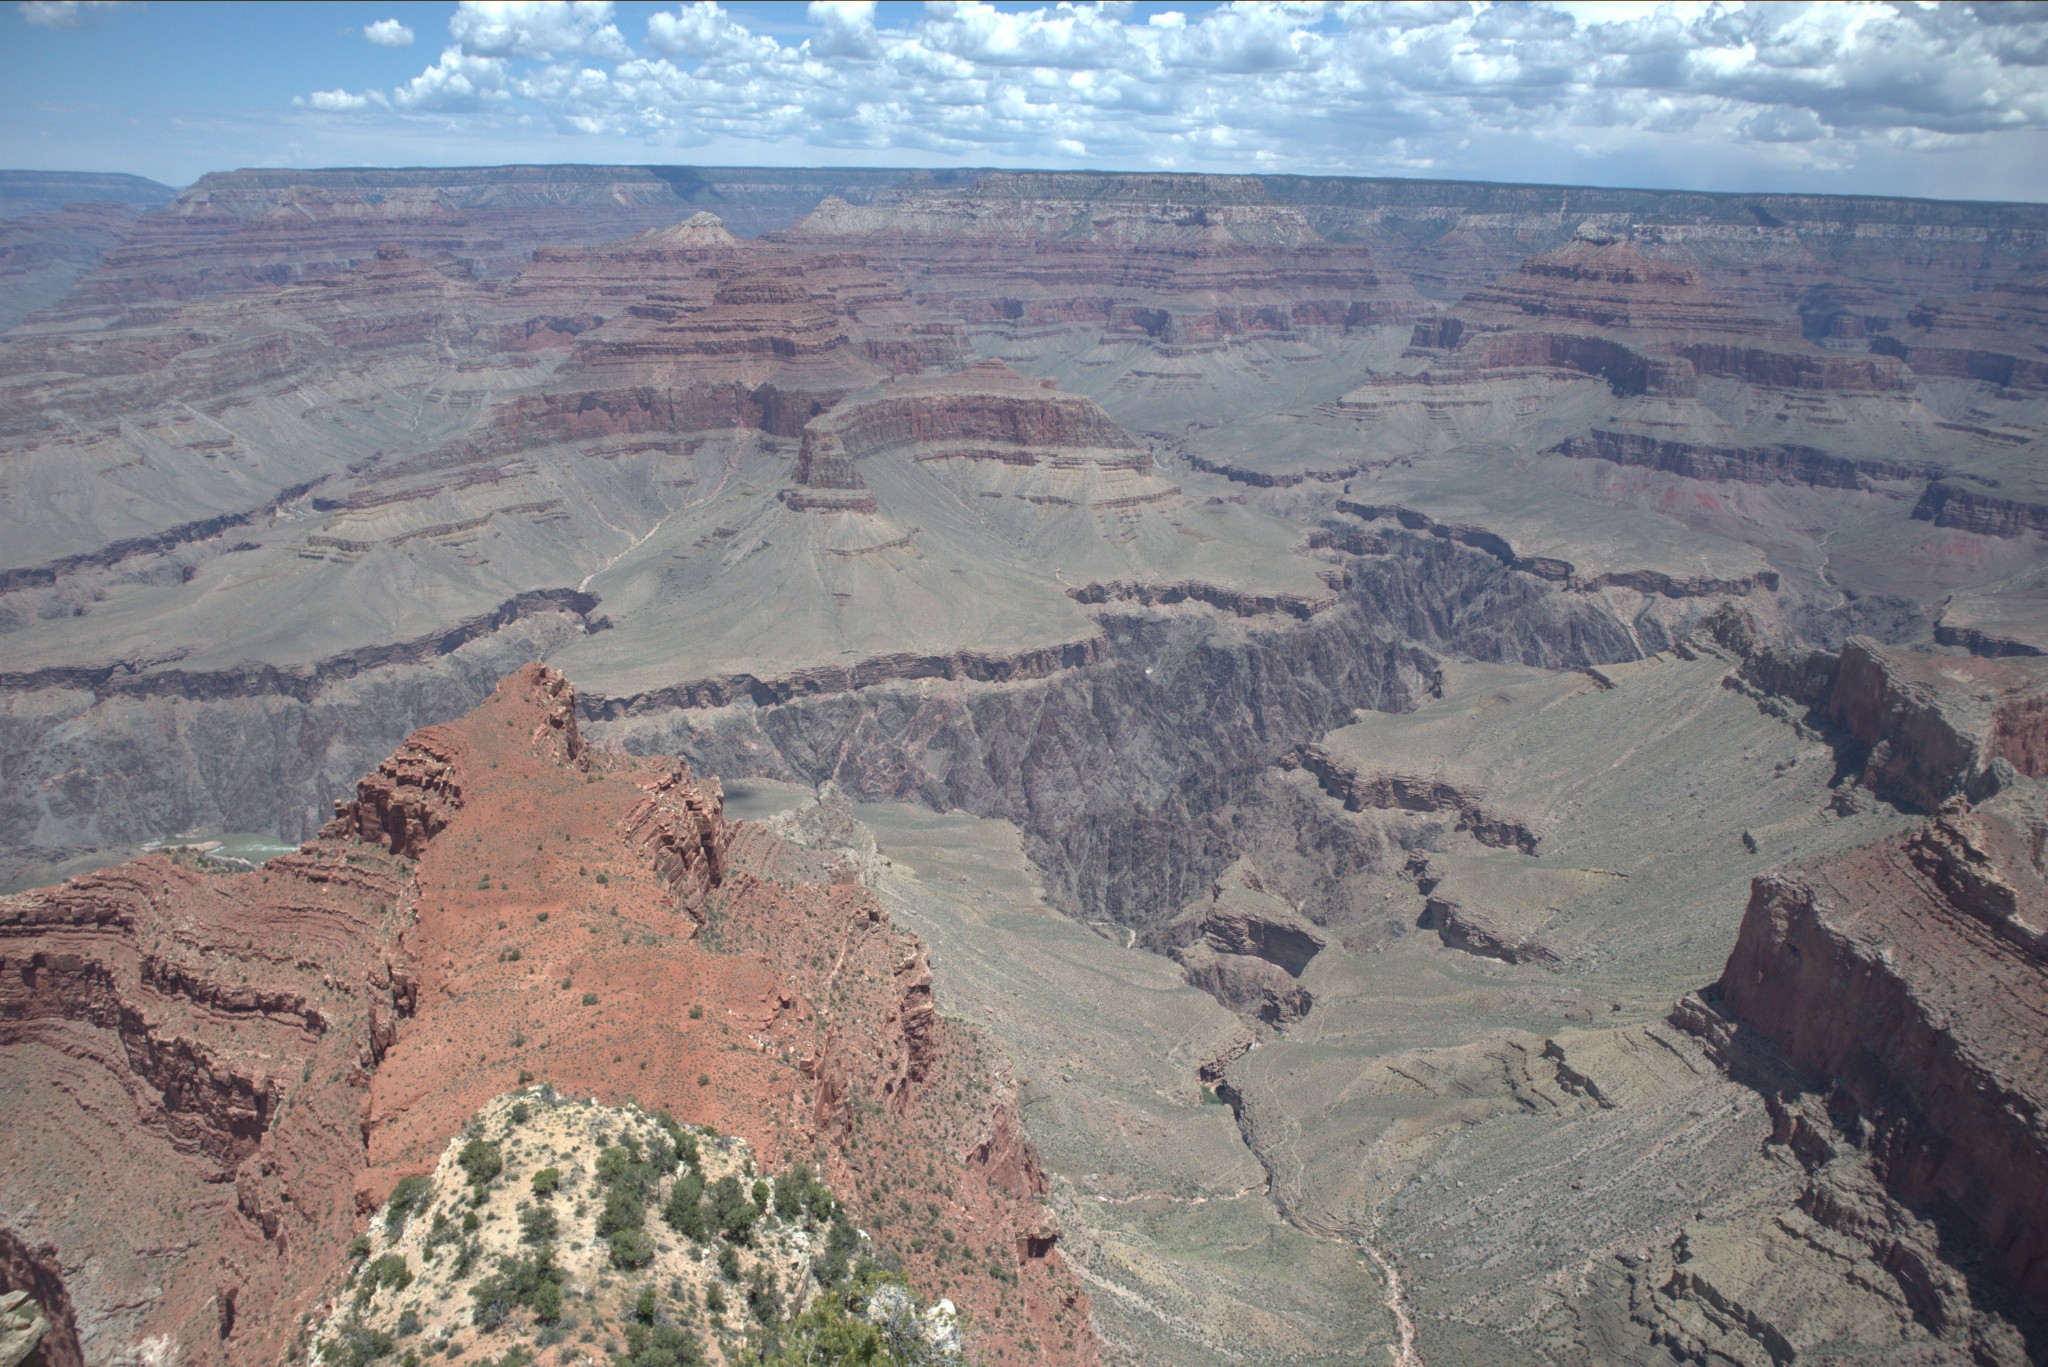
[(189, 1053), (248, 229), (1918, 729), (264, 1054), (1908, 982)]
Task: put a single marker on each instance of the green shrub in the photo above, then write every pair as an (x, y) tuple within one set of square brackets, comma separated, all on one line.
[(623, 1209), (547, 1182), (764, 1300), (660, 1345), (631, 1248), (409, 1195), (829, 1331), (789, 1191), (518, 1281), (590, 999), (481, 1159), (538, 1225), (737, 1224), (356, 1345), (841, 1243), (685, 1209), (621, 1166), (643, 1308), (388, 1271), (729, 1263)]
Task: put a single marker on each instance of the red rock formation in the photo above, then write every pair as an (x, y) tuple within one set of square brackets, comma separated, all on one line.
[(683, 823), (254, 229), (193, 1051), (1473, 931), (1170, 265), (1601, 281), (1994, 337), (408, 800), (1823, 371), (987, 412), (1909, 982), (274, 1049), (1972, 510), (1928, 727)]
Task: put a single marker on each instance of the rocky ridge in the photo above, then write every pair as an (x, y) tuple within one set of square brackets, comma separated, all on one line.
[(812, 1032)]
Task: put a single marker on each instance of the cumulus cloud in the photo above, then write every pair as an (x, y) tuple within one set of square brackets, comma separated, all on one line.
[(458, 81), (537, 28), (1558, 90), (388, 33), (63, 13)]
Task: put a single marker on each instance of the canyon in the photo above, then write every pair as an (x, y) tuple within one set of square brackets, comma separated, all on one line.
[(1313, 769)]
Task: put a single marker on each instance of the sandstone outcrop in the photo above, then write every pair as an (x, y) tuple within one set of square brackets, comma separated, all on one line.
[(247, 229), (1247, 546)]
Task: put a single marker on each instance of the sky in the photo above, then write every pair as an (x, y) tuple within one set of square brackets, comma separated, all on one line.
[(1945, 101)]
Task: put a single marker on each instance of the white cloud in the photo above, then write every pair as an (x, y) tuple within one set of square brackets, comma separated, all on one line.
[(537, 28), (456, 82), (388, 33), (706, 32), (342, 101), (1638, 93), (63, 13)]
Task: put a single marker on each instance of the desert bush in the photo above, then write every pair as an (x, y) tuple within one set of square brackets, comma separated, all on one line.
[(409, 1195), (538, 1225)]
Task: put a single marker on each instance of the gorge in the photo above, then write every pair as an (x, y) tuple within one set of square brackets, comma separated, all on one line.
[(1251, 768)]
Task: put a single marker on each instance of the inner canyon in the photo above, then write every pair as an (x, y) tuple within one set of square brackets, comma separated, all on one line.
[(1218, 769)]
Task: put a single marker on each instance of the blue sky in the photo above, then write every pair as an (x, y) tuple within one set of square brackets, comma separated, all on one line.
[(1946, 101)]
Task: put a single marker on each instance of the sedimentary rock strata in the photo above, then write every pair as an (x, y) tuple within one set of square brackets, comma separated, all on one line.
[(1322, 665), (299, 1038)]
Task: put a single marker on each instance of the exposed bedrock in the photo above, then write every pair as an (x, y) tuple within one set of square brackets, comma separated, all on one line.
[(224, 1071), (1906, 982), (169, 1155), (1649, 582), (1794, 370), (1411, 793), (1628, 372), (37, 1271), (1900, 726), (1970, 510), (1244, 945), (1780, 464), (1137, 779), (118, 768)]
